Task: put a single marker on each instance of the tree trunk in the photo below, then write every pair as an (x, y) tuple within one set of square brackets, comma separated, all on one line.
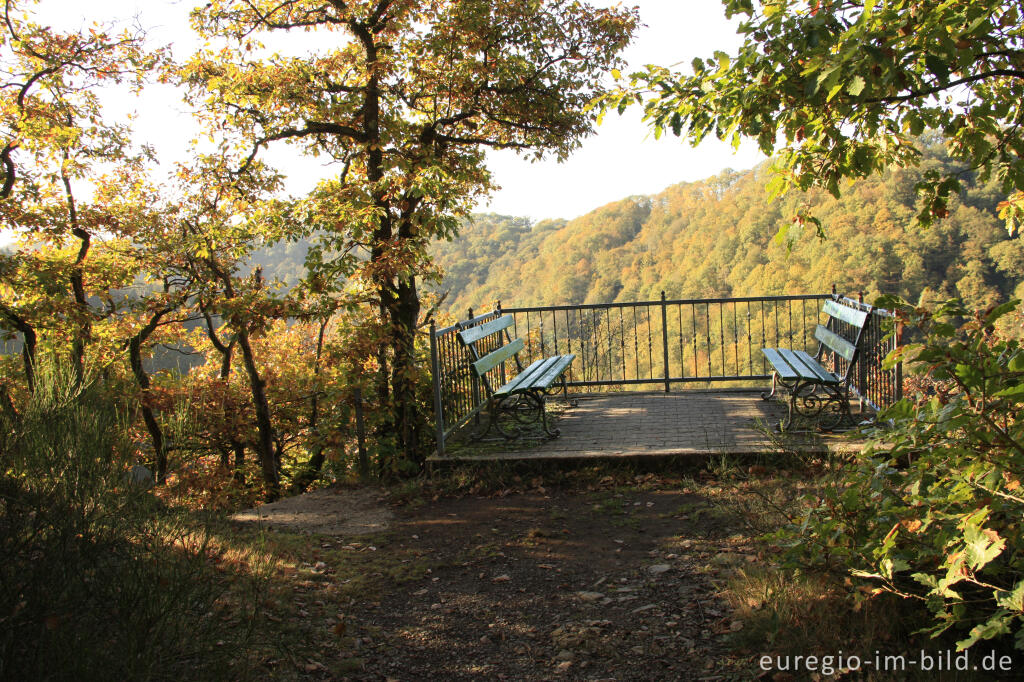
[(311, 471), (264, 425), (142, 379), (226, 351), (78, 283), (28, 345), (404, 312)]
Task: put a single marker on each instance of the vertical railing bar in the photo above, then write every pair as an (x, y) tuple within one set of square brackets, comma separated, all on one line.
[(707, 331), (588, 339), (789, 313), (569, 328), (693, 321), (750, 345), (568, 342), (462, 380), (622, 344), (458, 390), (664, 339), (682, 354), (554, 330), (607, 365), (580, 336), (585, 340), (803, 316), (650, 345), (776, 309), (529, 337), (636, 344), (764, 340), (541, 316), (595, 350), (721, 335), (735, 339), (588, 336)]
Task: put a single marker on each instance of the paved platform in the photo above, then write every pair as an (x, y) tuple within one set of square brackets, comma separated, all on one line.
[(650, 424)]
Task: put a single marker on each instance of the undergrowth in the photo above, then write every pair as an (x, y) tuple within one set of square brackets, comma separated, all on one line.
[(98, 581)]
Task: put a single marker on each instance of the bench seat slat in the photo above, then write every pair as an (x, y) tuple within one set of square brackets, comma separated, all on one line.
[(791, 365), (835, 342), (779, 364), (808, 367), (555, 370), (494, 358), (524, 379), (474, 334)]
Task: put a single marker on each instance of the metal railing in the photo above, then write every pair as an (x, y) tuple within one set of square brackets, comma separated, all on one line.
[(644, 344)]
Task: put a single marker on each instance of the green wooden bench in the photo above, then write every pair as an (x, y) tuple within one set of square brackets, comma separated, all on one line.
[(816, 392), (523, 397)]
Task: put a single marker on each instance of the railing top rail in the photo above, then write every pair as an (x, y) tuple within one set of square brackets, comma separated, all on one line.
[(671, 301), (459, 326), (853, 303)]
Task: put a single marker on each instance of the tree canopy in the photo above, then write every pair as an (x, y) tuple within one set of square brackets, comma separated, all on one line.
[(406, 105), (842, 89)]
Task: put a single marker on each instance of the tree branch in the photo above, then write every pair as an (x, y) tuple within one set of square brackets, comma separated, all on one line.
[(1012, 73)]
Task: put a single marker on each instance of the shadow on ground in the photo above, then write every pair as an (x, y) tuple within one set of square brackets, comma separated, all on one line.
[(613, 583)]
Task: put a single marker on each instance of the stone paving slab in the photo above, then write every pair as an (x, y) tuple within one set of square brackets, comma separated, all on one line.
[(649, 424)]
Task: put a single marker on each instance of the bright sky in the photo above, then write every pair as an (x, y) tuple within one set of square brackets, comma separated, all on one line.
[(621, 160)]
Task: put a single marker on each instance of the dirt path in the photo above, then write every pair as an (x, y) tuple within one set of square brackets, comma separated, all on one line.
[(331, 511), (618, 583)]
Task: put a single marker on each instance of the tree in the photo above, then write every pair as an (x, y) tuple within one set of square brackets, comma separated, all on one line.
[(406, 106), (53, 140), (842, 88)]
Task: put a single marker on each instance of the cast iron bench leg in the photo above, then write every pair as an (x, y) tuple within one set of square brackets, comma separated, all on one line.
[(493, 411), (540, 396)]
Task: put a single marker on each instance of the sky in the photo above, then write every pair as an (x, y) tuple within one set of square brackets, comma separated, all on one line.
[(622, 159)]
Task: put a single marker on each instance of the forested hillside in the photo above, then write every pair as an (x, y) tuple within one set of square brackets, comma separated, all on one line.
[(721, 237)]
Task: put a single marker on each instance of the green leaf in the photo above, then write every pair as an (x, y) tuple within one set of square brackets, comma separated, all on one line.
[(1011, 600), (723, 60), (856, 86), (1011, 391), (982, 545), (937, 66), (996, 626)]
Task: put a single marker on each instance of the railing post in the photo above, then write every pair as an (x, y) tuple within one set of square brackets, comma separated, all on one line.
[(664, 339), (862, 365), (474, 381), (364, 462), (897, 341), (435, 370), (508, 337)]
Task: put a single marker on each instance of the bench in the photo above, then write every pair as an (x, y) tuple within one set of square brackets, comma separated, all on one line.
[(523, 397), (816, 392)]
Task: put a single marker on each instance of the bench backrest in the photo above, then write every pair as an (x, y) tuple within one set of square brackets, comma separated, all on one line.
[(483, 363), (828, 338)]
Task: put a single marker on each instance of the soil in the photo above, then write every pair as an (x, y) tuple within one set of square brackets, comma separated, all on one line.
[(610, 583), (331, 511)]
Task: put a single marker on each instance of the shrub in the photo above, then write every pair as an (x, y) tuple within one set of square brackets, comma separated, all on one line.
[(931, 510), (96, 582)]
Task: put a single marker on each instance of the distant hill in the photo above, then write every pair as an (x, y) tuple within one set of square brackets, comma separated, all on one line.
[(717, 238)]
